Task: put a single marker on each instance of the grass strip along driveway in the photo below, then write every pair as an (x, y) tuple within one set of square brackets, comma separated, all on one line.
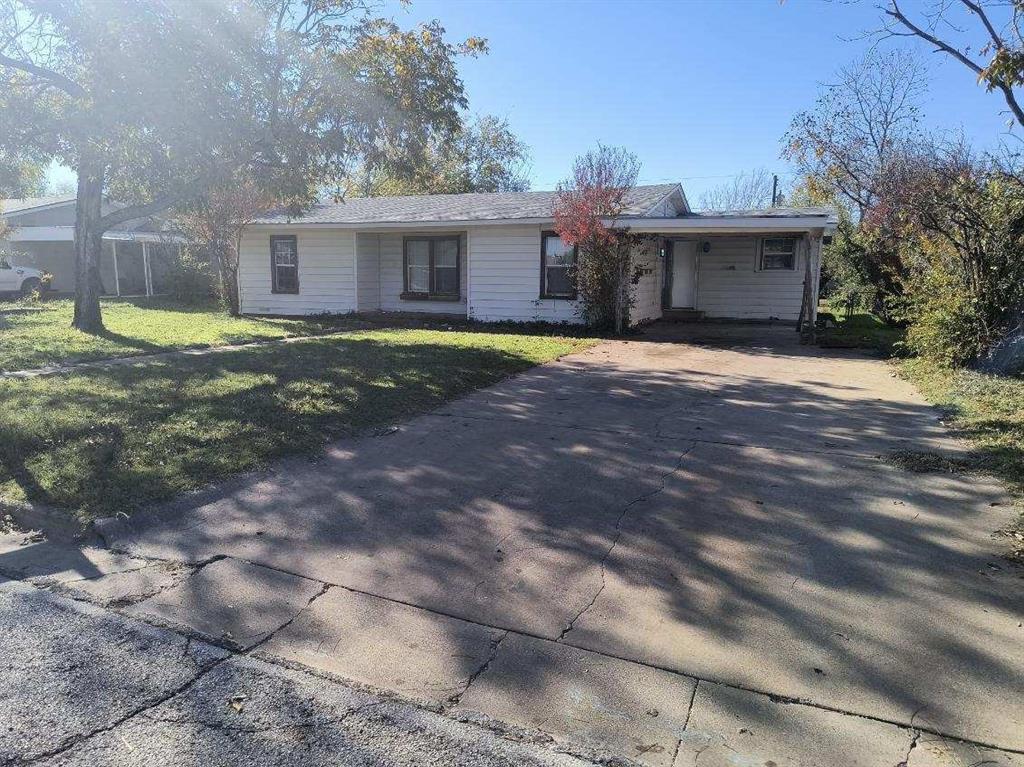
[(34, 335), (107, 440), (987, 410)]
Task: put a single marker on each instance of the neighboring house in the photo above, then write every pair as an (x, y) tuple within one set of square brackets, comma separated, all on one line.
[(134, 258), (495, 257)]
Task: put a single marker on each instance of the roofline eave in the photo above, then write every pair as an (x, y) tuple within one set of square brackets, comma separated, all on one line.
[(5, 214), (637, 224)]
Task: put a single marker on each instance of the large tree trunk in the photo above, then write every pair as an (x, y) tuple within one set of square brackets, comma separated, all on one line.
[(88, 245), (229, 287), (229, 274), (621, 296)]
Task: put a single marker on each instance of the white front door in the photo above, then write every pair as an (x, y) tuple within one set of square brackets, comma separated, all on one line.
[(684, 274)]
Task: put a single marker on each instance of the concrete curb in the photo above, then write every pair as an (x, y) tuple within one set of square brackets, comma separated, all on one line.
[(57, 524)]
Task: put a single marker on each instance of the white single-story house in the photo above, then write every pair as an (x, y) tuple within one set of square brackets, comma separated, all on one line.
[(133, 260), (495, 256)]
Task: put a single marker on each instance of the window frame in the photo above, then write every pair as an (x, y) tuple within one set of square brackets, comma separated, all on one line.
[(431, 294), (274, 239), (760, 259), (572, 296)]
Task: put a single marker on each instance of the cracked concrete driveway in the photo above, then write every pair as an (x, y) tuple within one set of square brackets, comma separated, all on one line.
[(723, 510)]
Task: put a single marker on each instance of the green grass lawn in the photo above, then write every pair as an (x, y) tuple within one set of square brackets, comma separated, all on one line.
[(988, 410), (860, 330), (102, 441), (42, 335)]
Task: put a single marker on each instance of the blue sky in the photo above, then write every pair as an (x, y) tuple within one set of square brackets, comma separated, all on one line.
[(695, 89), (700, 91)]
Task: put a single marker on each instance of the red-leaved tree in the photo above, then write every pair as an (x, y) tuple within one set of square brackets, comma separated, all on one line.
[(587, 213)]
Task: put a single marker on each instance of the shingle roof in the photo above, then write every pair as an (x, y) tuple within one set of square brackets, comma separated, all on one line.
[(28, 203), (454, 207), (766, 213)]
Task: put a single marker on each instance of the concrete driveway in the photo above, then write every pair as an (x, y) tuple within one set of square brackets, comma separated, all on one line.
[(706, 504)]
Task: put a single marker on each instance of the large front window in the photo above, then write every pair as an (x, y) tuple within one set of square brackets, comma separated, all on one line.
[(284, 264), (557, 262), (431, 267)]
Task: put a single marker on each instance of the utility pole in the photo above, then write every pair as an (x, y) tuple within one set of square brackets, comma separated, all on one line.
[(775, 188)]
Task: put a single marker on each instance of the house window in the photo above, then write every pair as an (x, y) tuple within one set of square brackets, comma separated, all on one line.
[(431, 268), (778, 253), (556, 262), (284, 264)]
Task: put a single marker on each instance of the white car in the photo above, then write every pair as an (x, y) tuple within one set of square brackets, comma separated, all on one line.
[(19, 279)]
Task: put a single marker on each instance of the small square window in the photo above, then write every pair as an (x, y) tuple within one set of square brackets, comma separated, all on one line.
[(778, 253)]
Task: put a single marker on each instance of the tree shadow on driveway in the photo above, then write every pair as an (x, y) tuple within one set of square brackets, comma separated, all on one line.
[(707, 511)]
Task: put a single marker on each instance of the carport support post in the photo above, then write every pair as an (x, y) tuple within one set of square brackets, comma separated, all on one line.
[(805, 324), (117, 277), (815, 258)]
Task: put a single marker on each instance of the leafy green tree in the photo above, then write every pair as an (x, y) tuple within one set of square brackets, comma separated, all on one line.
[(963, 221), (155, 103), (483, 156), (21, 176)]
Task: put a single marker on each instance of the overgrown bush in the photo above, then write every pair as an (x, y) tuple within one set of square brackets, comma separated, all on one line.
[(189, 278), (965, 288), (846, 279)]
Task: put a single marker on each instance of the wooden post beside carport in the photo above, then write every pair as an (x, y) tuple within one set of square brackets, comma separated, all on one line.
[(806, 324)]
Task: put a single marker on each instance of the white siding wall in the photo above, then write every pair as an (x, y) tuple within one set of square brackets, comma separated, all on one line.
[(368, 271), (326, 273), (647, 292), (730, 285), (505, 275), (392, 281)]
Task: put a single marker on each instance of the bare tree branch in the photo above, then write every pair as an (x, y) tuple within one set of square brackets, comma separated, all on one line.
[(55, 78), (995, 82)]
